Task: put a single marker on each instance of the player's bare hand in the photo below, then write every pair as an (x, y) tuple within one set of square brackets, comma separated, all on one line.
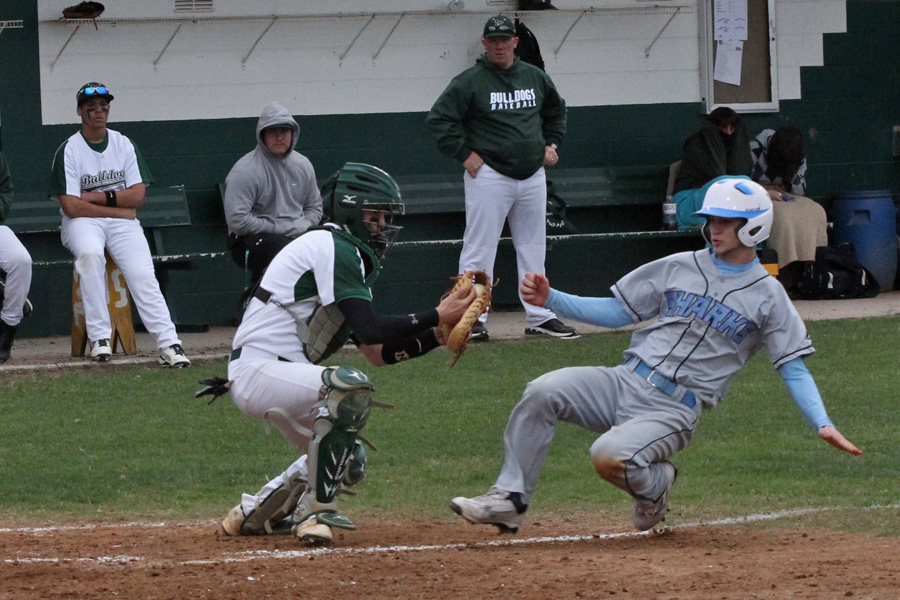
[(439, 335), (551, 157), (452, 307), (836, 439), (535, 289), (472, 164), (775, 195)]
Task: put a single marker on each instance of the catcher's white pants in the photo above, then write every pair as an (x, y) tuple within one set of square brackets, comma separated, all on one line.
[(492, 199), (261, 382), (639, 426), (15, 260), (86, 237)]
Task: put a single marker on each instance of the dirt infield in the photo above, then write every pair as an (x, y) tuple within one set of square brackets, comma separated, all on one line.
[(447, 560)]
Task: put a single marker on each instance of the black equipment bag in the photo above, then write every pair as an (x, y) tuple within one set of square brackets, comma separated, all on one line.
[(528, 49), (836, 274)]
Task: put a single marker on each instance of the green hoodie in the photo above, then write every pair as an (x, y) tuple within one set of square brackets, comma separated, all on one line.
[(6, 189), (507, 116)]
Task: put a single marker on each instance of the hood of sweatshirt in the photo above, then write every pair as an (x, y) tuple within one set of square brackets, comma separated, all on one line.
[(484, 62), (275, 115)]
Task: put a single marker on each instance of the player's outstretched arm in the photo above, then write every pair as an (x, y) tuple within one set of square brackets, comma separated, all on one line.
[(535, 289), (834, 437)]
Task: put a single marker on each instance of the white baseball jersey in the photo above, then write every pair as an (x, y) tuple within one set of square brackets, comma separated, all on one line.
[(319, 268), (112, 165), (79, 167), (708, 324)]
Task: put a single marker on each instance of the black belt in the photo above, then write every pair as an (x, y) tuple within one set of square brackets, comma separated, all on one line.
[(262, 294), (236, 354), (661, 382)]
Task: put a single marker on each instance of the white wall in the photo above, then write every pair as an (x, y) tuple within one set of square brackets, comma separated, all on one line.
[(316, 64)]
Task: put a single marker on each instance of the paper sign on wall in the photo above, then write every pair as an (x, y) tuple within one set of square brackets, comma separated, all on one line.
[(730, 20), (729, 56)]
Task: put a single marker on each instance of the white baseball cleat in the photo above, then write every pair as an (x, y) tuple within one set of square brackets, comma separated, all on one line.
[(647, 514), (231, 524), (173, 356), (312, 532), (100, 350), (493, 508)]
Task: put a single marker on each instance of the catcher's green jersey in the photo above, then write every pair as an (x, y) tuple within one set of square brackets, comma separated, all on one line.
[(319, 268)]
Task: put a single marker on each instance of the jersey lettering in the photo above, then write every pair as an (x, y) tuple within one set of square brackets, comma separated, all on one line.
[(102, 179), (512, 100), (722, 318)]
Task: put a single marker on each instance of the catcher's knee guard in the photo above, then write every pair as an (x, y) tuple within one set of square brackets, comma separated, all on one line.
[(335, 456)]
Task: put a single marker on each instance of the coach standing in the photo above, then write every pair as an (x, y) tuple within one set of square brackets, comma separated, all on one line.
[(504, 120)]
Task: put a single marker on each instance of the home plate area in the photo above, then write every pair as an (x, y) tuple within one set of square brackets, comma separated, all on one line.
[(557, 556)]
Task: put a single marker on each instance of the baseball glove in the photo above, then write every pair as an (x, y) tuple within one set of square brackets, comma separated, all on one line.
[(457, 336)]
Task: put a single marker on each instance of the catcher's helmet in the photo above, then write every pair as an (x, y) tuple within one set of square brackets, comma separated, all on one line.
[(357, 188), (740, 198)]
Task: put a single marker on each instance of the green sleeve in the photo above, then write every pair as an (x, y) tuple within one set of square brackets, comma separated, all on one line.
[(553, 114), (146, 177), (6, 189), (349, 280), (58, 171), (446, 120)]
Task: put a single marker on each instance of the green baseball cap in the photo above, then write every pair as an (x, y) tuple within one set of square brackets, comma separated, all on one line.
[(93, 90), (499, 26)]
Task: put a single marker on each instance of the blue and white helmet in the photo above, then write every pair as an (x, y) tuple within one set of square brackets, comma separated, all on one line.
[(740, 198)]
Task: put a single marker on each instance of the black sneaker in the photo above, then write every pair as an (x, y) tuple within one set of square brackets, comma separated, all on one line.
[(554, 327), (479, 332)]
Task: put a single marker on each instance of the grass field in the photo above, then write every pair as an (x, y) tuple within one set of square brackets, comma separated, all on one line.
[(126, 442)]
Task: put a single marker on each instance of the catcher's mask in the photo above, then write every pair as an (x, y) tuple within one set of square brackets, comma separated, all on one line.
[(739, 198), (364, 199)]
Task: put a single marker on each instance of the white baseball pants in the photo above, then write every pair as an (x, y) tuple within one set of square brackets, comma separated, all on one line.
[(86, 238), (261, 382), (492, 199), (15, 260)]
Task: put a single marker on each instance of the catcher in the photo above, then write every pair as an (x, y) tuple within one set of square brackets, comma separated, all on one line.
[(316, 293)]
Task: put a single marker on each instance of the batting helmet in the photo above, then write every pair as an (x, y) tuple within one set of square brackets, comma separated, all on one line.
[(740, 199), (357, 188)]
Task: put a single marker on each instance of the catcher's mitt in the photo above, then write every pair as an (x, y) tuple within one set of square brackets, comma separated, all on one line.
[(458, 335)]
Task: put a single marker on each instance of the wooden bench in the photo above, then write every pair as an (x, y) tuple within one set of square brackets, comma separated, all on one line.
[(617, 213)]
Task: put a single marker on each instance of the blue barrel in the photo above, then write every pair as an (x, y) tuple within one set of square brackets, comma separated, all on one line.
[(867, 219)]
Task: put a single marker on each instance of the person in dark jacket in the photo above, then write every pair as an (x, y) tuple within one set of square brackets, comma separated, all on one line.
[(721, 148), (504, 120)]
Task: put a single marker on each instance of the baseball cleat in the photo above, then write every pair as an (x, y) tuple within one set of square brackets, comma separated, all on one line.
[(100, 350), (494, 508), (647, 514), (173, 356), (479, 332), (231, 524), (312, 532), (555, 328)]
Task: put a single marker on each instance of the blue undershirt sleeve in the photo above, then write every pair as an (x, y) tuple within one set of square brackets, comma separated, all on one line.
[(805, 393), (605, 312)]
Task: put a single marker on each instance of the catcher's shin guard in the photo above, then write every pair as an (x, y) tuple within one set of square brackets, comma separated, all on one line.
[(267, 513), (335, 456)]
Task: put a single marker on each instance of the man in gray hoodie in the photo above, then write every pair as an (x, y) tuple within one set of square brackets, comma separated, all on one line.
[(271, 195)]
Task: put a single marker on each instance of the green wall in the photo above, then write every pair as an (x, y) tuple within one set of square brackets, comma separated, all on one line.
[(848, 109)]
